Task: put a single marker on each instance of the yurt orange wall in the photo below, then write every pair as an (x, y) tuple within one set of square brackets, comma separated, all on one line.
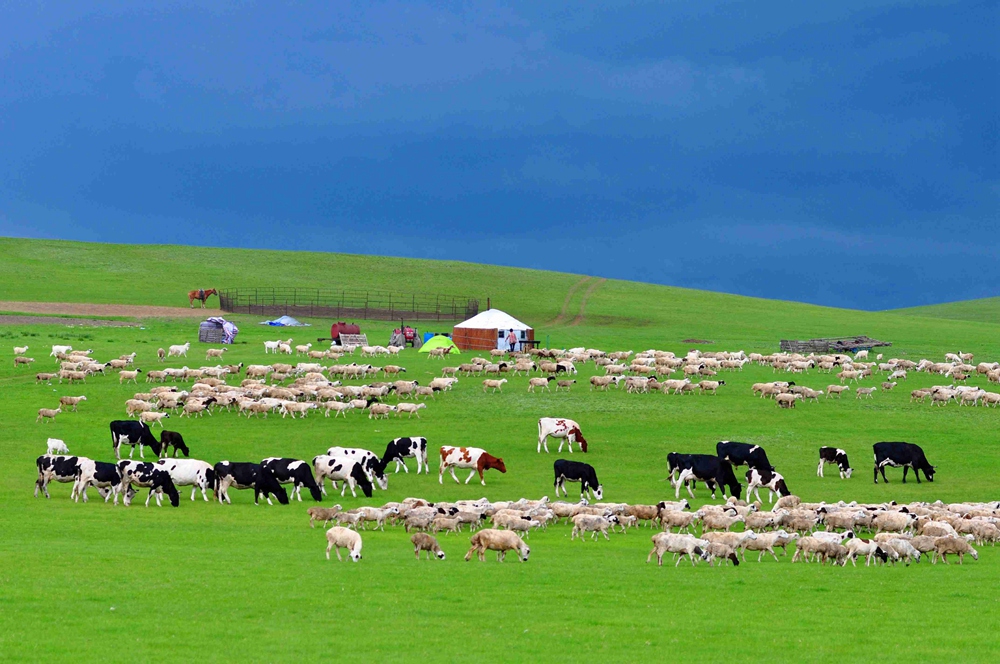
[(467, 338)]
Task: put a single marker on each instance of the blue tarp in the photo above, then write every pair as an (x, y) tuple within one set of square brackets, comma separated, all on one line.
[(284, 321)]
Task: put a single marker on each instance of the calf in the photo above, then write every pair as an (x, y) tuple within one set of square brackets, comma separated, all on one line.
[(837, 457), (557, 427), (425, 542), (294, 472), (243, 475), (743, 454), (906, 455), (172, 438), (772, 481), (576, 471), (399, 449), (479, 460)]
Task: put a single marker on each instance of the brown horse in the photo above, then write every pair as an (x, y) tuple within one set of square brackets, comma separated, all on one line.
[(200, 294)]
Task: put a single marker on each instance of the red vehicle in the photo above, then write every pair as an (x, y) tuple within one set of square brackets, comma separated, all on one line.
[(343, 328)]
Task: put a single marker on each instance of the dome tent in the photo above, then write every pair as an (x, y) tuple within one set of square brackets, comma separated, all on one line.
[(489, 329), (439, 341)]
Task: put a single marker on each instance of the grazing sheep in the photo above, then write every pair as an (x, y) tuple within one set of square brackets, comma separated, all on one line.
[(56, 446), (343, 538), (957, 545), (720, 551), (500, 541), (19, 360), (324, 514), (161, 355), (46, 414), (425, 542), (72, 401), (864, 392)]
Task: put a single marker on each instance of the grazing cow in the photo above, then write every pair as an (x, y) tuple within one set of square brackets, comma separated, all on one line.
[(576, 471), (743, 454), (135, 433), (399, 449), (190, 472), (105, 476), (468, 457), (64, 469), (708, 468), (168, 438), (294, 472), (243, 475), (837, 457), (369, 461), (147, 475), (906, 455), (340, 469), (766, 479), (557, 427)]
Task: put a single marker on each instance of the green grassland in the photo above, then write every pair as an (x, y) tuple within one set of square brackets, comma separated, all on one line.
[(985, 310), (251, 582)]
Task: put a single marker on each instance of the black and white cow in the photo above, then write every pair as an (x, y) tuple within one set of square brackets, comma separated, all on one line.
[(399, 449), (147, 475), (64, 469), (766, 479), (708, 468), (836, 456), (132, 433), (906, 455), (743, 454), (242, 475), (295, 472), (369, 461), (172, 438), (339, 469), (190, 472), (105, 476), (577, 471)]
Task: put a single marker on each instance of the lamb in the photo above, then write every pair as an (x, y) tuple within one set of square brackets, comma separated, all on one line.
[(564, 385), (443, 383), (46, 414), (500, 541), (439, 353), (707, 386), (539, 382), (126, 376), (57, 350), (303, 349), (765, 542), (45, 377), (867, 548), (151, 418), (495, 384), (21, 350), (161, 355), (410, 409), (179, 351), (71, 401), (684, 545), (718, 521), (19, 360), (720, 551), (380, 411), (343, 538), (593, 524), (903, 549), (324, 514), (447, 524), (214, 352), (787, 400), (957, 545), (836, 390), (425, 542), (378, 515), (285, 348), (865, 392), (292, 407), (56, 446), (849, 375)]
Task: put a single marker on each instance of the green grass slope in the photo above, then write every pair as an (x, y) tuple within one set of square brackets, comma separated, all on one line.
[(985, 310), (219, 582)]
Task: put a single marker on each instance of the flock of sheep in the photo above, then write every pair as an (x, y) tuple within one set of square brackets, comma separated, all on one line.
[(820, 531)]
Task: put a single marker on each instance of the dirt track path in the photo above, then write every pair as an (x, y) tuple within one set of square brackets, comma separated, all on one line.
[(583, 303), (564, 312), (88, 309)]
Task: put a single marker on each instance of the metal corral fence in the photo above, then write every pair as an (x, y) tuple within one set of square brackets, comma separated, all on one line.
[(345, 303)]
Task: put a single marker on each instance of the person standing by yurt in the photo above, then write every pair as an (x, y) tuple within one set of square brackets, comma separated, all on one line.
[(511, 341)]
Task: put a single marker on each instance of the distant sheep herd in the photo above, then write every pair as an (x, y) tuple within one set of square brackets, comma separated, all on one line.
[(821, 532)]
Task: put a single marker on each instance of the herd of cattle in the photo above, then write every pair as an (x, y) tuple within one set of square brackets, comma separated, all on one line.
[(822, 532)]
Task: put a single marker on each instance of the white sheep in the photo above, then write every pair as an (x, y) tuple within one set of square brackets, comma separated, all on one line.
[(179, 351), (56, 446), (343, 538)]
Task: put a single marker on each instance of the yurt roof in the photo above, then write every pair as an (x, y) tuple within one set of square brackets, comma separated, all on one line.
[(494, 319)]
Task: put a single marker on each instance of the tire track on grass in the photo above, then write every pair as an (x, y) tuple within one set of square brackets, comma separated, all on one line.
[(583, 304), (564, 312)]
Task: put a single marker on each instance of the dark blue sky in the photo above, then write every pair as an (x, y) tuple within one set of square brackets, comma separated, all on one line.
[(843, 153)]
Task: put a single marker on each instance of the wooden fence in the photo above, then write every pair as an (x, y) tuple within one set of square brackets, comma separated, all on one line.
[(345, 303)]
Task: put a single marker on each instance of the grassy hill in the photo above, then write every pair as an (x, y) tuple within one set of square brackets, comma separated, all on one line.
[(164, 583), (985, 310)]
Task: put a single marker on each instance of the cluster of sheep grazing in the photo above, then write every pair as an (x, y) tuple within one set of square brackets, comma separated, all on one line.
[(825, 532), (964, 395)]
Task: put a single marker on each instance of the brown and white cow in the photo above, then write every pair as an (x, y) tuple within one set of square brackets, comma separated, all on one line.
[(559, 427), (468, 457)]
